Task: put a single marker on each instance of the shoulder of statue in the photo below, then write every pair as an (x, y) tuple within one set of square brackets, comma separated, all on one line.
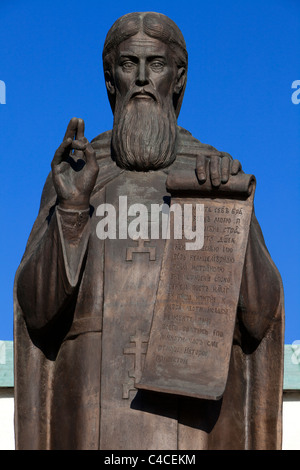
[(108, 170), (188, 146), (102, 136), (102, 144)]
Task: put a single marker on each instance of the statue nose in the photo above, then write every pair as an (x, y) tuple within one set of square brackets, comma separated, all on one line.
[(142, 78)]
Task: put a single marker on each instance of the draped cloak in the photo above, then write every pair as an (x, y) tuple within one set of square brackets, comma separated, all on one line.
[(78, 307)]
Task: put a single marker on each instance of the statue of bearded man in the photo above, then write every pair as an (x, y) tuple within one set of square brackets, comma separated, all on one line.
[(84, 305)]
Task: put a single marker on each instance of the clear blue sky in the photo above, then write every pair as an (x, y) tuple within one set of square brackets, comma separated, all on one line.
[(243, 56)]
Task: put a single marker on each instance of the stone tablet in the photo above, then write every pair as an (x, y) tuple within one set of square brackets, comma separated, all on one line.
[(191, 335)]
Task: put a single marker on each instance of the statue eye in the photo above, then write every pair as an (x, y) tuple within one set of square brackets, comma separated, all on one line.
[(157, 65), (127, 65)]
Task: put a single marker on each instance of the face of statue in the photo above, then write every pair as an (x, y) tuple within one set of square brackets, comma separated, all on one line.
[(145, 67), (145, 77)]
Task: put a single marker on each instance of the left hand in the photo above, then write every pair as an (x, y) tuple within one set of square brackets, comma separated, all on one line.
[(216, 166)]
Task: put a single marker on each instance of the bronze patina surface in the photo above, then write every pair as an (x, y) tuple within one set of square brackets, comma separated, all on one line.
[(125, 338)]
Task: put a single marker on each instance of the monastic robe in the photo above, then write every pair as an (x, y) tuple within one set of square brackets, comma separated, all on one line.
[(83, 312)]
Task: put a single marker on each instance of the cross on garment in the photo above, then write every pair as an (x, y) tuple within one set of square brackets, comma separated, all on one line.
[(139, 350), (141, 248)]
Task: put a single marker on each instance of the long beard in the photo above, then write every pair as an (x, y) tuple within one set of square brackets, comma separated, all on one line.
[(144, 135)]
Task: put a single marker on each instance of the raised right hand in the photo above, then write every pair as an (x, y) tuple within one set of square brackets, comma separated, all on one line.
[(74, 168)]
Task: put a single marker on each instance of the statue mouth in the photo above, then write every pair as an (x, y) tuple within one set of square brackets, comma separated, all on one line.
[(143, 95)]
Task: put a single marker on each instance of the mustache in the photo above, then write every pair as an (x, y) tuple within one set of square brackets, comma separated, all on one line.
[(140, 91), (145, 92)]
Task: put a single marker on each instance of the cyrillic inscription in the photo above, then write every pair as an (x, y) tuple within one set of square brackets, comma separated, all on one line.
[(191, 337)]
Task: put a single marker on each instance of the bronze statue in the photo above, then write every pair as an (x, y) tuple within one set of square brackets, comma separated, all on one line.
[(85, 300)]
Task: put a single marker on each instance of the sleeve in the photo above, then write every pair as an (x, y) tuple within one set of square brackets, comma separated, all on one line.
[(261, 286), (51, 275)]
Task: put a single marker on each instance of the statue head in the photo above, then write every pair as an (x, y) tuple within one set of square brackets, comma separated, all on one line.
[(154, 25), (145, 67)]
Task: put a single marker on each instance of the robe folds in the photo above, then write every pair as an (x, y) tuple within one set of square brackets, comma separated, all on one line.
[(82, 307)]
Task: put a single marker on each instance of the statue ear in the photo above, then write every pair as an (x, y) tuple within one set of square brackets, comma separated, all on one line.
[(180, 80), (109, 82)]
